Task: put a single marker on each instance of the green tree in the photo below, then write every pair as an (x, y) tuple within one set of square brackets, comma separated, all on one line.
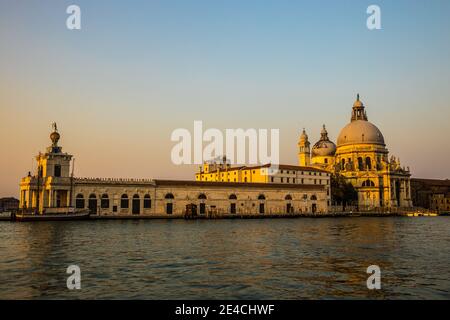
[(342, 192)]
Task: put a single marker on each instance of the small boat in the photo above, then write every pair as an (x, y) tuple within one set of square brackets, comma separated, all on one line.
[(27, 216)]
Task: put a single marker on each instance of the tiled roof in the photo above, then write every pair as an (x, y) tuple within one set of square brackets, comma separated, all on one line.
[(280, 166), (260, 185)]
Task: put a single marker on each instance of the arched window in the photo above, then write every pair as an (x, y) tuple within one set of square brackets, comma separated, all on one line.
[(360, 163), (313, 197), (147, 202), (288, 197), (368, 163), (368, 183), (124, 203), (261, 197), (232, 197), (202, 196), (104, 203), (79, 201), (169, 196)]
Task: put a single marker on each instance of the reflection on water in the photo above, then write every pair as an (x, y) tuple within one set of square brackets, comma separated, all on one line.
[(227, 259)]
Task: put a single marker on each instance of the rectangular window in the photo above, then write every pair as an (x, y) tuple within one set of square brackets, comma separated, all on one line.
[(57, 170)]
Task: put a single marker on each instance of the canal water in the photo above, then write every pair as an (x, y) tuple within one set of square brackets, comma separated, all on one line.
[(303, 258)]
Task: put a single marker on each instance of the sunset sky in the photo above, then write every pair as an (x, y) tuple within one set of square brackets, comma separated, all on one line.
[(137, 70)]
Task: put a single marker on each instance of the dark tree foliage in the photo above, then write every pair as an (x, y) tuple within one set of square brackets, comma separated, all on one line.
[(342, 192)]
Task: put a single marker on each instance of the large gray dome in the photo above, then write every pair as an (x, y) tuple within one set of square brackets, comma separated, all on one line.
[(360, 131)]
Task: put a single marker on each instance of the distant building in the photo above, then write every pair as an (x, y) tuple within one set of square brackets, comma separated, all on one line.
[(8, 204), (426, 193), (440, 202)]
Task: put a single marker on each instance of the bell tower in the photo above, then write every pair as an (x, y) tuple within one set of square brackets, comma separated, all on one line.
[(304, 152), (50, 187), (358, 112), (54, 163)]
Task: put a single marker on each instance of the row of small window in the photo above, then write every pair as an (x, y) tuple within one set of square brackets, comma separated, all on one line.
[(281, 172), (104, 201), (288, 180), (442, 201), (202, 196)]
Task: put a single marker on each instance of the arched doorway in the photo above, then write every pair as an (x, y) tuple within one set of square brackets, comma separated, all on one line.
[(202, 205), (233, 199), (92, 204), (136, 205), (289, 207), (314, 205), (79, 201), (104, 202), (169, 205), (124, 201), (261, 199)]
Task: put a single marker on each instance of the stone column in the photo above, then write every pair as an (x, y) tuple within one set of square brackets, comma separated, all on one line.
[(50, 198)]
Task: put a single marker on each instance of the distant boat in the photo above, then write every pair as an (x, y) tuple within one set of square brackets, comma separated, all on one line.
[(68, 215), (421, 214)]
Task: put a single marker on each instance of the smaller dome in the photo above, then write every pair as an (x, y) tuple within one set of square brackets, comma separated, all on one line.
[(54, 136), (323, 147)]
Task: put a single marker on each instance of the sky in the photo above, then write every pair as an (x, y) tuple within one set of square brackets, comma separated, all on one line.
[(137, 70)]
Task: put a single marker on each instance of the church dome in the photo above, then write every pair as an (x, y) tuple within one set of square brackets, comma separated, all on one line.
[(323, 147), (360, 131)]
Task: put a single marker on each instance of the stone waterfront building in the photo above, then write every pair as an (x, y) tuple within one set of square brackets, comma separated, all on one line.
[(53, 188)]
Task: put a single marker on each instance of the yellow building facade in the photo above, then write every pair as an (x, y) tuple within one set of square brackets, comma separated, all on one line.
[(362, 158)]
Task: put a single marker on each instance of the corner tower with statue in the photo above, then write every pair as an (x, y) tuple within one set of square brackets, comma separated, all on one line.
[(362, 158), (50, 188)]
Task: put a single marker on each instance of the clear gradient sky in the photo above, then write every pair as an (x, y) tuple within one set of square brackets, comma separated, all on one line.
[(137, 70)]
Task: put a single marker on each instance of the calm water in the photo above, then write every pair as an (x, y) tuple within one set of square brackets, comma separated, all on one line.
[(227, 259)]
